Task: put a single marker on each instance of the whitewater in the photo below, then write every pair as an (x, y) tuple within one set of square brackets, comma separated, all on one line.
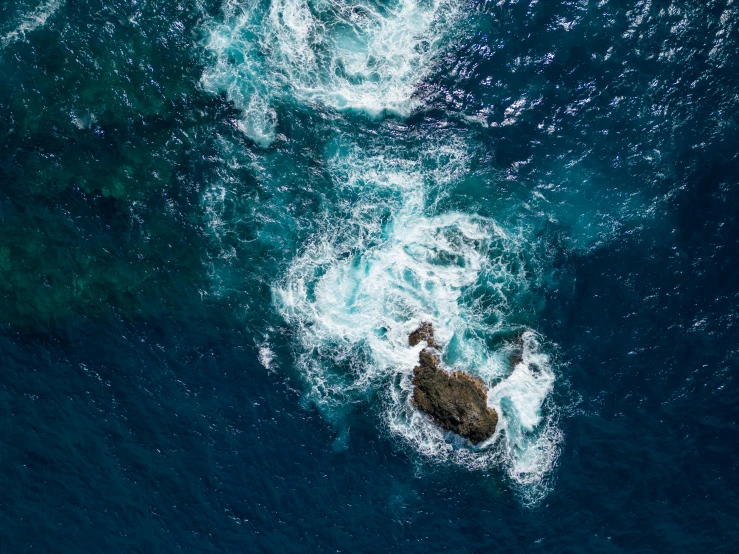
[(387, 253), (29, 21)]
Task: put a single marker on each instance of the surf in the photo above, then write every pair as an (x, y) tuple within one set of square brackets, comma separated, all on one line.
[(386, 252), (30, 21), (363, 56), (372, 274)]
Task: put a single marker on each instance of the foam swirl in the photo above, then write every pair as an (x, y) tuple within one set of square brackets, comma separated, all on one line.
[(362, 56)]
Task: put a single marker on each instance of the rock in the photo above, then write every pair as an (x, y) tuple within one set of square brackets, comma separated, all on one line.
[(456, 401), (424, 333), (428, 359)]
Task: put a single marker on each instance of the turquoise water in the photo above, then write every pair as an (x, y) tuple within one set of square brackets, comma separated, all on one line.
[(221, 219)]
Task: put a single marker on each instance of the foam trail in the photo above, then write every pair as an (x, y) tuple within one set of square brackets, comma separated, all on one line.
[(362, 56), (31, 21), (384, 258)]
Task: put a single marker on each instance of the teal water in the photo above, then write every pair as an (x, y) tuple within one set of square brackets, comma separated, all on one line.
[(219, 221)]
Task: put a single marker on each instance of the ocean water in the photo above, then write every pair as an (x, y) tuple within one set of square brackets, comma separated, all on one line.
[(221, 219)]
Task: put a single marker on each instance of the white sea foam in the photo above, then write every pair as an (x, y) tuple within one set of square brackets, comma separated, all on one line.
[(31, 21), (385, 257), (373, 273), (266, 356), (359, 55)]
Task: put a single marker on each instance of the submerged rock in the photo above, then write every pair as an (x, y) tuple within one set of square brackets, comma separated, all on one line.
[(517, 355), (456, 401)]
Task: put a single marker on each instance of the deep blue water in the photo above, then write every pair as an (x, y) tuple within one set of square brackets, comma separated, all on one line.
[(220, 219)]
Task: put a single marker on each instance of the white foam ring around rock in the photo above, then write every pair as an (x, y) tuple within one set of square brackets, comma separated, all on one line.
[(367, 280), (384, 258)]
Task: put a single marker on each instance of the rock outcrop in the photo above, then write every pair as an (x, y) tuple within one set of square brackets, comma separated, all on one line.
[(424, 333), (456, 401)]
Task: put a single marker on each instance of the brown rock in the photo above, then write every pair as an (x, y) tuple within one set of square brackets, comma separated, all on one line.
[(424, 333), (455, 401), (428, 358)]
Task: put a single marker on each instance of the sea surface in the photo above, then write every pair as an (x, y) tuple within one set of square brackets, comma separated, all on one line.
[(221, 219)]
